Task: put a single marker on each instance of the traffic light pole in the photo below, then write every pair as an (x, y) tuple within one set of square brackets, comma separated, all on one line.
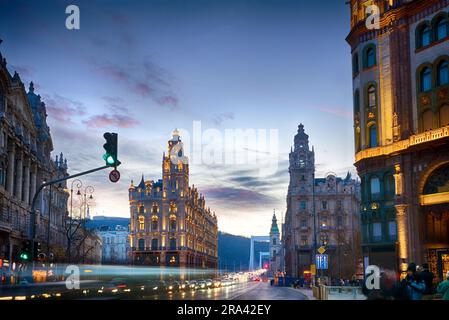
[(38, 191)]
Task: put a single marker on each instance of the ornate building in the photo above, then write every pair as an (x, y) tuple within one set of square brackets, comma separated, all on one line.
[(401, 128), (320, 212), (170, 223), (115, 244), (276, 254), (25, 161)]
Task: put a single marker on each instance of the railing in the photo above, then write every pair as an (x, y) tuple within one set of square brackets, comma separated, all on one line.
[(338, 293)]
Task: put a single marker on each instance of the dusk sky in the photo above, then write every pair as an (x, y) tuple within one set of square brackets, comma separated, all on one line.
[(144, 68)]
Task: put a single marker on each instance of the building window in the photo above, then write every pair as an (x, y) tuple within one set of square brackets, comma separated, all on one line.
[(141, 223), (154, 223), (340, 221), (303, 240), (141, 243), (375, 186), (373, 136), (172, 243), (154, 244), (426, 79), (444, 115), (424, 36), (303, 205), (356, 102), (377, 231), (303, 223), (441, 28), (355, 64), (141, 209), (370, 57), (443, 73), (392, 230), (172, 223), (389, 186), (372, 96), (324, 205), (274, 241), (154, 209), (427, 120)]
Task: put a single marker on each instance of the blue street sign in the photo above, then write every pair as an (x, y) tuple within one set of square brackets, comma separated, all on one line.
[(322, 261)]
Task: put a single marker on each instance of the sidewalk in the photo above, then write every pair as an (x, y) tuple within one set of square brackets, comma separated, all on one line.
[(307, 292)]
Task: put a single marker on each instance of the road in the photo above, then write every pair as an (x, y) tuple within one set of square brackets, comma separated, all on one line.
[(241, 291)]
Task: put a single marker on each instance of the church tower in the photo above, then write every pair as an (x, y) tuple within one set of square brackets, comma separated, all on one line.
[(275, 246), (175, 168)]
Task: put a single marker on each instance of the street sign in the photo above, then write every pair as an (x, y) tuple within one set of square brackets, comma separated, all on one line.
[(322, 261), (114, 176), (321, 249)]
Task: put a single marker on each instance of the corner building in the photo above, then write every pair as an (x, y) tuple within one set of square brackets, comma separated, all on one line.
[(401, 129), (170, 223)]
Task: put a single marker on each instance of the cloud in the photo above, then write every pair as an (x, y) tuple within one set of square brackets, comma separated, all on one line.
[(24, 71), (145, 79), (219, 118), (114, 120), (62, 108), (340, 112), (237, 197)]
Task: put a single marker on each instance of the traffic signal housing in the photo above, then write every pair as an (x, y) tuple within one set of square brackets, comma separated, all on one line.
[(110, 147), (25, 252)]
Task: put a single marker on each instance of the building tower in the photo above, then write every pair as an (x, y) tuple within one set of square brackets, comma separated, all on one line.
[(275, 247), (401, 128)]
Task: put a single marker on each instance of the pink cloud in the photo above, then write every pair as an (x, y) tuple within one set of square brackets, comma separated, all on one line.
[(115, 120)]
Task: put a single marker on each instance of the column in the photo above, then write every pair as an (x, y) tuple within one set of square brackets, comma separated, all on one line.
[(10, 173), (26, 183), (401, 221), (19, 177)]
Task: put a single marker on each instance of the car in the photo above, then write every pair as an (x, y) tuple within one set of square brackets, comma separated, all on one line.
[(193, 285), (216, 283), (154, 286), (209, 283), (184, 285), (173, 286), (116, 286), (202, 284)]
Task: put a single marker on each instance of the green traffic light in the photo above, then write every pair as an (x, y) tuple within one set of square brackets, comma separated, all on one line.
[(24, 256), (110, 160)]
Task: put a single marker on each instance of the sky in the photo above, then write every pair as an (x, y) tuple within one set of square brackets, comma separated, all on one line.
[(144, 68)]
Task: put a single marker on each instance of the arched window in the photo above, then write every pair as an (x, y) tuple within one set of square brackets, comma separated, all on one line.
[(154, 223), (141, 209), (426, 79), (427, 120), (441, 29), (172, 223), (372, 136), (154, 209), (370, 57), (141, 223), (355, 64), (154, 244), (424, 36), (372, 96), (444, 115), (375, 186), (443, 73), (141, 244), (172, 243)]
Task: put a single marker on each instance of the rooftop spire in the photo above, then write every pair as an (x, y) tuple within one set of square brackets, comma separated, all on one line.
[(31, 89)]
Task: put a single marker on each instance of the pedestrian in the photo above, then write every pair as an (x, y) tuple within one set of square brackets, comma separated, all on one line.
[(413, 285), (427, 276), (443, 288)]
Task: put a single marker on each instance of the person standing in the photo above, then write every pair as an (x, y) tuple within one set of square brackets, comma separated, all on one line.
[(443, 288), (413, 284), (427, 276)]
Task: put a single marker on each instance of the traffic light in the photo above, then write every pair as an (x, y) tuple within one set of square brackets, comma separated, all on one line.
[(110, 147), (37, 249), (25, 253)]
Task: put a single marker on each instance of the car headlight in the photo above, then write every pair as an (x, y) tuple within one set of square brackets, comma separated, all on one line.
[(155, 288), (170, 287), (183, 286)]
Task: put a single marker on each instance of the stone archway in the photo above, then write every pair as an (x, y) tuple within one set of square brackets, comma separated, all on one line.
[(434, 208)]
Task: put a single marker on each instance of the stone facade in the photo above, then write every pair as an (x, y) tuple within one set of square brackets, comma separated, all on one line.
[(25, 162), (115, 245), (170, 223), (275, 248), (320, 212), (401, 128)]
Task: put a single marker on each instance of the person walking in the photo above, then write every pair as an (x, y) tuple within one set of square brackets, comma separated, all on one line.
[(413, 284), (443, 288), (427, 276)]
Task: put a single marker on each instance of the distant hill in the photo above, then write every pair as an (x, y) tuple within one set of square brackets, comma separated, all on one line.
[(233, 251)]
